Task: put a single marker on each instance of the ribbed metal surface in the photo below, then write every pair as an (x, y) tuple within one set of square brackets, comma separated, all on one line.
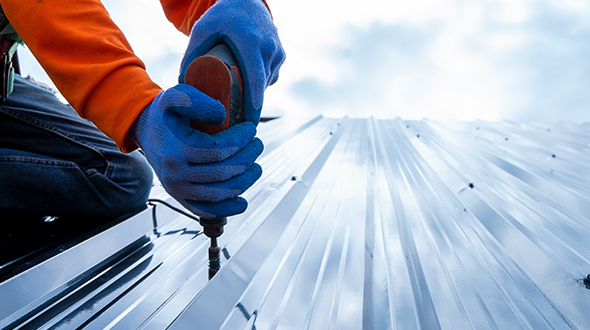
[(356, 223)]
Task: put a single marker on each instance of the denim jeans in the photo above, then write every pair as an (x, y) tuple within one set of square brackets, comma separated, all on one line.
[(53, 162)]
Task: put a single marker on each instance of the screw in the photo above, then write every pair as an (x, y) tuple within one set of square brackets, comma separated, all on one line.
[(471, 185)]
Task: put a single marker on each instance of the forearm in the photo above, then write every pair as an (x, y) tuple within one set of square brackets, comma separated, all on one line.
[(88, 59)]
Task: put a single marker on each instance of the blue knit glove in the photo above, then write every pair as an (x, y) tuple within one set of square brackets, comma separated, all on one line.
[(247, 28), (205, 173)]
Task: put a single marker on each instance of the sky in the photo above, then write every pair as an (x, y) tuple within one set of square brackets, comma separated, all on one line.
[(518, 60)]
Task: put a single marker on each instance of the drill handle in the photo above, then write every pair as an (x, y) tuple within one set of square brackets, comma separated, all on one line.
[(217, 75)]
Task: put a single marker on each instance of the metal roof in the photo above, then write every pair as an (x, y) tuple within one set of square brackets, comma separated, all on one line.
[(356, 223)]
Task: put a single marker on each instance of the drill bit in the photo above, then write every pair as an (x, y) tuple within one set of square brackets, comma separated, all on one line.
[(214, 262), (213, 228)]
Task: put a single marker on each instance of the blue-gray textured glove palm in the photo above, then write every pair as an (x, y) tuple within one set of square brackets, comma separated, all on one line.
[(247, 28), (204, 173)]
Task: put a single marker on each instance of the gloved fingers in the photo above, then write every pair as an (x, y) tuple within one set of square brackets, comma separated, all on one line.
[(187, 102), (277, 59), (237, 135), (259, 74), (247, 28), (226, 169), (203, 148), (218, 191), (223, 208)]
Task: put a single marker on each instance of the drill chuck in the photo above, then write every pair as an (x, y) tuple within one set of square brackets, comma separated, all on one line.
[(213, 227)]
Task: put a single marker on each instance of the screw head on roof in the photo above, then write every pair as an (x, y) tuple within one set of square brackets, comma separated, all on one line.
[(587, 282), (48, 219), (471, 185), (506, 139), (293, 178), (553, 155), (418, 136)]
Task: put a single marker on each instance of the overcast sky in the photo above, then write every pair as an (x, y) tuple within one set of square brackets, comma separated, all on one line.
[(440, 59)]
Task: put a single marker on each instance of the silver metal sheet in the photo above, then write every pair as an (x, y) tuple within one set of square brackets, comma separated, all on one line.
[(356, 223)]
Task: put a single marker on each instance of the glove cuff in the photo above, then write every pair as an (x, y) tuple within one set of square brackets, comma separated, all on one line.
[(136, 132)]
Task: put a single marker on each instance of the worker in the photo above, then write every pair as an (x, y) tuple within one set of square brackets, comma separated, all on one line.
[(83, 164)]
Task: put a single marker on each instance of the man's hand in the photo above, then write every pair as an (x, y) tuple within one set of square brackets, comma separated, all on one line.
[(204, 173), (247, 28)]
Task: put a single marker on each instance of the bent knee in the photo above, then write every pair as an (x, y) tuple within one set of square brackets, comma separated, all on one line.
[(132, 185), (140, 178)]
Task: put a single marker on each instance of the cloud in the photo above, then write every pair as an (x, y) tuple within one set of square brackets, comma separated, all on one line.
[(485, 59), (555, 60), (489, 60), (153, 38), (370, 65)]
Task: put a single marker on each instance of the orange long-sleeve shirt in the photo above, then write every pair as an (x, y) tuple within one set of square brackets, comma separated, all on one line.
[(89, 59)]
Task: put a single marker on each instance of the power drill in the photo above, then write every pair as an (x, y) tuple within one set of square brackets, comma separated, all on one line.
[(217, 75)]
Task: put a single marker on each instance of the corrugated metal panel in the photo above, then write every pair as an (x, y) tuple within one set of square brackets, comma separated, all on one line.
[(356, 223)]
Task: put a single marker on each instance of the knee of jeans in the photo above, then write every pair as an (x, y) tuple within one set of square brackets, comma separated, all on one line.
[(144, 177), (134, 181)]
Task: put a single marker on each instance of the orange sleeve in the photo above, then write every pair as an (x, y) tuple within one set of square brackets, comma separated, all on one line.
[(89, 60), (184, 13)]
